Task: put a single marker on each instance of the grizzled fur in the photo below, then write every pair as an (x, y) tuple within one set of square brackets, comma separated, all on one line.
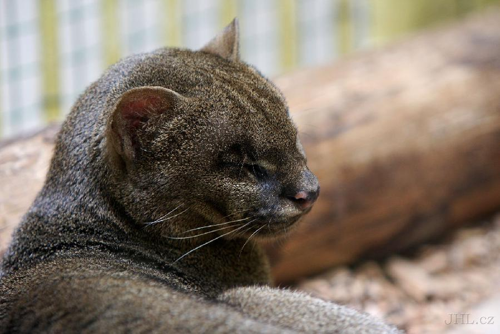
[(160, 148)]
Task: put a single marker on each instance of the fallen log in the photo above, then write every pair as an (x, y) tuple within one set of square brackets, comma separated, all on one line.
[(405, 142)]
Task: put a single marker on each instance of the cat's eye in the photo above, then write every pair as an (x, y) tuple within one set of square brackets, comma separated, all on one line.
[(240, 161), (256, 170)]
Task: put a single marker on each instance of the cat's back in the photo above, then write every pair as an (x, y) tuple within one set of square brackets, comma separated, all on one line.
[(88, 288)]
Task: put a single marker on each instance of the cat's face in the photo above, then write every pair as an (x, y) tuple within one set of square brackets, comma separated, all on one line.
[(246, 163), (226, 153)]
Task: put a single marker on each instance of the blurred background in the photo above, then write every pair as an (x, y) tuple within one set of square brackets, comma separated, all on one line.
[(50, 50), (405, 141)]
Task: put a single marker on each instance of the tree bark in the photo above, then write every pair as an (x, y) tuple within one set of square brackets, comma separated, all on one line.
[(405, 142)]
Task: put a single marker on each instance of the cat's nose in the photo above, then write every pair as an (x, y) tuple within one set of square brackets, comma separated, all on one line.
[(305, 198), (304, 192)]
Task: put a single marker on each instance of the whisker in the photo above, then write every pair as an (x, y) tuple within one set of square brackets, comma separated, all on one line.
[(165, 215), (207, 226), (234, 213), (250, 237), (167, 218), (214, 239), (199, 235), (244, 231)]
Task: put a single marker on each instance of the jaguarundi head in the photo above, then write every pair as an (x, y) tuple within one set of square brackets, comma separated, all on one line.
[(210, 150)]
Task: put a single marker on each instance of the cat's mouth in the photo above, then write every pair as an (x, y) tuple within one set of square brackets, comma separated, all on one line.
[(262, 230), (258, 223), (271, 225)]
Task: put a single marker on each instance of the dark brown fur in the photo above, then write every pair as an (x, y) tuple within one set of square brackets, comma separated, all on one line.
[(152, 153)]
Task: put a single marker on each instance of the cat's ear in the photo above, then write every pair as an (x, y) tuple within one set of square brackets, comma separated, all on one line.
[(131, 114), (226, 43)]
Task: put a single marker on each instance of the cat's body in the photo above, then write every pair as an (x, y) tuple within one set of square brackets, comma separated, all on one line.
[(147, 172)]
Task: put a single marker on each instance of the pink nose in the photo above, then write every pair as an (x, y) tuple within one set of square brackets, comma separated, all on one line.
[(305, 199), (300, 195)]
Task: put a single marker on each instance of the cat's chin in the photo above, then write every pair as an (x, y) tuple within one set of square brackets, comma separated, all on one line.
[(267, 229), (259, 224)]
